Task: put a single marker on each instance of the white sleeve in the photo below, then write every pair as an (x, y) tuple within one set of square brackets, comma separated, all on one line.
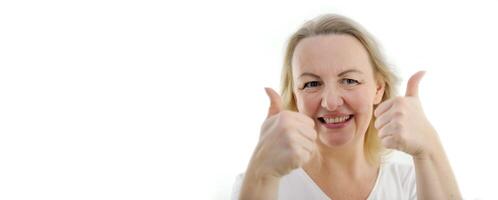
[(410, 184), (236, 187)]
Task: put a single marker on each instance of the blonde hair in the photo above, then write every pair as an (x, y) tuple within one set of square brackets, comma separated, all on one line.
[(337, 24)]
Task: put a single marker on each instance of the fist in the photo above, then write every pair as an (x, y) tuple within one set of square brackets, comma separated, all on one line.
[(402, 124), (287, 140)]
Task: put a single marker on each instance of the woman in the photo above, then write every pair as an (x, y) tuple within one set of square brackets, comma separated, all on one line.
[(326, 137)]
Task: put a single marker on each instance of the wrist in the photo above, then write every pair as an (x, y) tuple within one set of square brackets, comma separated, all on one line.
[(433, 152), (430, 148), (258, 173), (257, 185)]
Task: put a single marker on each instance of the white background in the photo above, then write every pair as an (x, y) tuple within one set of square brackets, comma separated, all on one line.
[(164, 100)]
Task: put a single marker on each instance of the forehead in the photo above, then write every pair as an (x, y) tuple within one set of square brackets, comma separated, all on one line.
[(330, 54)]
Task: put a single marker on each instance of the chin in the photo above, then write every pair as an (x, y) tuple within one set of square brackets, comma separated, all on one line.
[(335, 139)]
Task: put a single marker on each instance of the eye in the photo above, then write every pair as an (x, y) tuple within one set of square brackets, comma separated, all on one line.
[(349, 81), (311, 84)]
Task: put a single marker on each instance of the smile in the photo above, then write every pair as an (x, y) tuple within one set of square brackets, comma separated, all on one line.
[(336, 121)]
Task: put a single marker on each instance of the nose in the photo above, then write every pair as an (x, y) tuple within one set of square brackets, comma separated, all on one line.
[(331, 99)]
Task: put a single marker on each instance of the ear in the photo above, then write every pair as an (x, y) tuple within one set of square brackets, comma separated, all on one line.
[(379, 91)]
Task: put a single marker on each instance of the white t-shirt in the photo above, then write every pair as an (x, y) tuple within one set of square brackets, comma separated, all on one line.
[(395, 181)]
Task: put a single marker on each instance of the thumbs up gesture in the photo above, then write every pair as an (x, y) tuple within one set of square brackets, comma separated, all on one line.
[(402, 123), (286, 142)]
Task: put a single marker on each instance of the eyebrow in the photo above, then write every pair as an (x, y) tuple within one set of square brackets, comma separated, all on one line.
[(340, 74)]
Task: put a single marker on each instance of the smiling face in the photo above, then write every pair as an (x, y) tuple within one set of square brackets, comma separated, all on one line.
[(334, 84)]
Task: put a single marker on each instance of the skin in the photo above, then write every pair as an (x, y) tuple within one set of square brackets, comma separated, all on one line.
[(340, 80)]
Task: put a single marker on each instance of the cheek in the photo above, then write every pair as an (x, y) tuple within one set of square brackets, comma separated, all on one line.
[(307, 103), (361, 102)]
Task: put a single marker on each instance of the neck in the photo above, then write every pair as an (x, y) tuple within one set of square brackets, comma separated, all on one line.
[(347, 160)]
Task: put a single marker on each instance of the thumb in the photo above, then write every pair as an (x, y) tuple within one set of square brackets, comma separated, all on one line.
[(276, 104), (413, 82)]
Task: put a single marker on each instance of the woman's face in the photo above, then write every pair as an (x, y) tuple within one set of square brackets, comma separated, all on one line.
[(334, 84)]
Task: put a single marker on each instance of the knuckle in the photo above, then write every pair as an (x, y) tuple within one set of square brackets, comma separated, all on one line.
[(399, 113), (399, 100), (398, 117), (382, 131), (282, 118), (396, 126), (283, 124), (377, 123), (285, 118), (287, 129)]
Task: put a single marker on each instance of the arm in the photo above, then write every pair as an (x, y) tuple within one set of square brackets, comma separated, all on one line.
[(402, 125), (286, 143), (258, 187), (435, 179)]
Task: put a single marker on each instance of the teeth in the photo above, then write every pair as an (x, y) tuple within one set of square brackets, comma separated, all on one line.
[(336, 119)]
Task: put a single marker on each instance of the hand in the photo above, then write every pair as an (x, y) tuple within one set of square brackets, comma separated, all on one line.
[(402, 123), (286, 142)]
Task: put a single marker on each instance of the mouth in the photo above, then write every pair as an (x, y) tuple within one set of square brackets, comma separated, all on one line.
[(335, 121)]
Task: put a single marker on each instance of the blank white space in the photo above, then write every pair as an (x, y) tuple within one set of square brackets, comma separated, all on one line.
[(164, 100)]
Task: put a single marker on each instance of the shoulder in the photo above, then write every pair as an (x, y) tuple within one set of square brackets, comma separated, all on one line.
[(236, 186), (398, 165), (397, 177)]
